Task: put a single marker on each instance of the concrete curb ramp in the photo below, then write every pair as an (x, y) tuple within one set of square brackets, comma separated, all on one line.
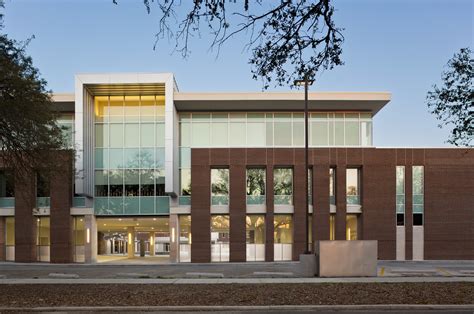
[(288, 308)]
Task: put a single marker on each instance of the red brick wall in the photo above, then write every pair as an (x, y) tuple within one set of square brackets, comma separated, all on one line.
[(449, 194), (61, 250)]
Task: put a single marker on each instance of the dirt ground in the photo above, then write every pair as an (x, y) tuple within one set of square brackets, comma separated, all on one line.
[(38, 295)]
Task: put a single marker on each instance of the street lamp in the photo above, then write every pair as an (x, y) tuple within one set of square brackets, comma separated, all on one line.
[(305, 82)]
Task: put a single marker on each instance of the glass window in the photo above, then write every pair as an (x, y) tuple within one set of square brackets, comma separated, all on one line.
[(283, 237), (185, 157), (160, 135), (43, 231), (132, 135), (269, 129), (101, 158), (159, 183), (101, 183), (147, 135), (116, 109), (332, 186), (101, 135), (220, 235), (298, 130), (184, 238), (256, 133), (352, 186), (237, 134), (185, 181), (200, 134), (131, 182), (219, 134), (185, 134), (147, 183), (319, 133), (7, 188), (116, 135), (366, 133), (101, 108), (352, 133), (283, 185), (400, 190), (132, 158), (147, 108), (10, 231), (220, 186), (255, 237), (282, 133), (116, 158), (418, 191), (351, 227), (256, 186), (332, 227), (339, 133), (160, 108), (132, 108), (116, 183)]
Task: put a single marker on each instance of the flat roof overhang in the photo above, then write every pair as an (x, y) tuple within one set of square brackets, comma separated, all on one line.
[(63, 103), (287, 101)]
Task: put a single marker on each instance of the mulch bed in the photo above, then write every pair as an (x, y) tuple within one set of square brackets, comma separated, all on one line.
[(234, 294)]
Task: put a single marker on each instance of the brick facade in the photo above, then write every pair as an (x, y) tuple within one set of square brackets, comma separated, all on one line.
[(448, 211)]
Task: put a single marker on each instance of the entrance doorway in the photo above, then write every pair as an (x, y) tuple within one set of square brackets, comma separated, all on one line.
[(133, 240)]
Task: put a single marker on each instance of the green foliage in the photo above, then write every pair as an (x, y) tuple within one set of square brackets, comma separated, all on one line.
[(288, 39), (28, 130), (452, 103)]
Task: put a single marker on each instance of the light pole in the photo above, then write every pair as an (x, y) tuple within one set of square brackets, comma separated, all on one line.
[(306, 83)]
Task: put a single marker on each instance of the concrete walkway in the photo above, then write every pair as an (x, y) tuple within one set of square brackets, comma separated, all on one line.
[(258, 270)]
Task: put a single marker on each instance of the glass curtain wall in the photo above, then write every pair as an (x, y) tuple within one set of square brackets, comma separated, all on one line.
[(283, 237), (418, 195), (283, 186), (353, 186), (43, 238), (66, 123), (400, 195), (220, 235), (79, 239), (277, 129), (219, 186), (185, 238), (256, 179), (255, 235), (10, 239), (129, 155), (332, 186), (7, 189), (351, 227)]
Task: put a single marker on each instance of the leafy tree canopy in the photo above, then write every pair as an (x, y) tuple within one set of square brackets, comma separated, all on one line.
[(452, 103), (288, 39), (28, 130)]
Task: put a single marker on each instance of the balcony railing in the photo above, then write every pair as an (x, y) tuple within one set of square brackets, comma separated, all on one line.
[(79, 202), (220, 200), (353, 199), (7, 202), (133, 205), (43, 202), (184, 200), (283, 199), (255, 199)]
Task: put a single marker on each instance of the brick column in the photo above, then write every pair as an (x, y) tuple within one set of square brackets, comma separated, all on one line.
[(320, 202), (300, 212), (62, 246), (341, 202), (2, 239), (200, 206), (269, 241), (237, 210), (25, 222)]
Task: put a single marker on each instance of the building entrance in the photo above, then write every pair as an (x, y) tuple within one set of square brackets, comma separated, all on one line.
[(130, 239)]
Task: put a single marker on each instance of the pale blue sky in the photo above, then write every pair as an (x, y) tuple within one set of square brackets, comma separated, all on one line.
[(398, 46)]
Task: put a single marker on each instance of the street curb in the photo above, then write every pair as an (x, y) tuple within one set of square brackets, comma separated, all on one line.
[(399, 307)]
